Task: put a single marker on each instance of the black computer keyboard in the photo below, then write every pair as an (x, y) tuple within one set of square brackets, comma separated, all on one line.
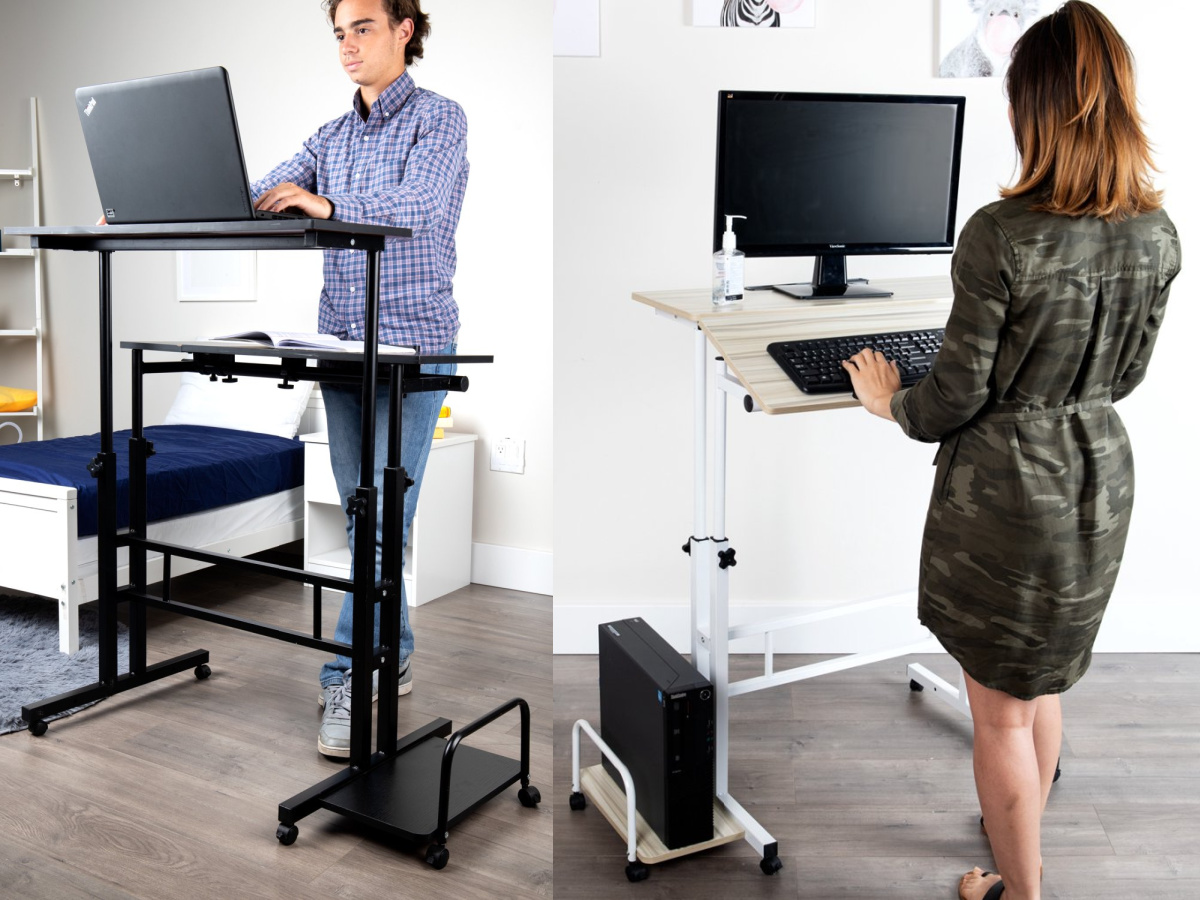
[(816, 364)]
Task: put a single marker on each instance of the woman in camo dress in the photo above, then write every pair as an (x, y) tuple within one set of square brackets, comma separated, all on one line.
[(1059, 292)]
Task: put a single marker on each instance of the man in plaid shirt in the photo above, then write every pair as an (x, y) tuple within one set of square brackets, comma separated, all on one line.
[(397, 158)]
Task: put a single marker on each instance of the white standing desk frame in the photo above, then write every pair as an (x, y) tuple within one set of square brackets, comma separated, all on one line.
[(738, 336)]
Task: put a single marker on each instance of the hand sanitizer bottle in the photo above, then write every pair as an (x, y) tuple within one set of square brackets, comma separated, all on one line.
[(729, 267)]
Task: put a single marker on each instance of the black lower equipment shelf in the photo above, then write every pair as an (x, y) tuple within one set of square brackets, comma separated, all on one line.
[(425, 788)]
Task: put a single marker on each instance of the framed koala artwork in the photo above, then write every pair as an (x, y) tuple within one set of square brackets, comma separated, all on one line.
[(976, 37)]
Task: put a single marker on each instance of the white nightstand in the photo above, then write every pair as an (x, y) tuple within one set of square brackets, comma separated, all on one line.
[(437, 559)]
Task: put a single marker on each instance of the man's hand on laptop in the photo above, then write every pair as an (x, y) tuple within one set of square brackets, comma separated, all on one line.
[(293, 197)]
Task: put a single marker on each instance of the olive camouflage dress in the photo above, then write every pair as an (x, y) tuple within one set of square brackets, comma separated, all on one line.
[(1053, 319)]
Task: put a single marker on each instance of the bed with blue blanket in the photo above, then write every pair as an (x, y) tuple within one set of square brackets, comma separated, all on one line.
[(225, 489)]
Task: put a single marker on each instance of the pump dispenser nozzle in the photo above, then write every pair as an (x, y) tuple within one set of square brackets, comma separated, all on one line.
[(729, 239)]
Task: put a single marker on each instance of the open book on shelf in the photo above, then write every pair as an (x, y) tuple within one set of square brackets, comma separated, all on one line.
[(304, 339)]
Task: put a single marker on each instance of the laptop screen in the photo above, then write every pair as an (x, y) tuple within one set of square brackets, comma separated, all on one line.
[(166, 148)]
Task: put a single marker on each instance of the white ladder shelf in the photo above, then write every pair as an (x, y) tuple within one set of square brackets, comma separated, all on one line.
[(25, 180)]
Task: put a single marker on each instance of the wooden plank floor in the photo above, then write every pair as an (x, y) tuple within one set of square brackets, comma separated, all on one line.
[(171, 790), (868, 789)]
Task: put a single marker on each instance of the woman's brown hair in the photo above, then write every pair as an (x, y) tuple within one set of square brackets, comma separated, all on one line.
[(1075, 119)]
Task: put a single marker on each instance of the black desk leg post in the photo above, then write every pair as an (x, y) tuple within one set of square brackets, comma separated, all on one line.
[(366, 502), (139, 450), (392, 566), (104, 468), (363, 640)]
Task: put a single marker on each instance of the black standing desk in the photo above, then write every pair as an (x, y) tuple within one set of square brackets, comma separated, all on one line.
[(411, 788)]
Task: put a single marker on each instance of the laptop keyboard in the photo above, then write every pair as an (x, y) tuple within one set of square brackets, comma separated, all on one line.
[(815, 365)]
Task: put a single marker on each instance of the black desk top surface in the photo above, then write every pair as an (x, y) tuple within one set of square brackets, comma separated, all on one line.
[(183, 229), (255, 234)]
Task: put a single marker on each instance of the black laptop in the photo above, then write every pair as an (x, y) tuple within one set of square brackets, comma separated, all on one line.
[(167, 149)]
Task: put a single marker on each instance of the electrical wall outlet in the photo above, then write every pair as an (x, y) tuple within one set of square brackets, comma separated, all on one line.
[(508, 455)]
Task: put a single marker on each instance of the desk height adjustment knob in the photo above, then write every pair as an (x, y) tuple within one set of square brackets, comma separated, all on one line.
[(727, 558)]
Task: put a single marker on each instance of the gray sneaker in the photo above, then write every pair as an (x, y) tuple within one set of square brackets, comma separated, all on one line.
[(405, 685), (374, 688), (334, 737)]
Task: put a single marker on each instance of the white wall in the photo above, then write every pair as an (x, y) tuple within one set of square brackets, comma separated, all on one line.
[(634, 150), (286, 82)]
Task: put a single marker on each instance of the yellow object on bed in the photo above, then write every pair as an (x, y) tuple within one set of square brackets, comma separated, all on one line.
[(16, 399)]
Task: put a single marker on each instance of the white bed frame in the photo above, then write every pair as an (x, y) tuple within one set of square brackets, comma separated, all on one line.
[(41, 553)]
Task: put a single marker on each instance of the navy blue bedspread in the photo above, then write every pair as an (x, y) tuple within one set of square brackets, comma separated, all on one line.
[(194, 467)]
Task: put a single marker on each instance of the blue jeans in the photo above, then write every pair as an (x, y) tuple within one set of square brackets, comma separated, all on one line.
[(343, 415)]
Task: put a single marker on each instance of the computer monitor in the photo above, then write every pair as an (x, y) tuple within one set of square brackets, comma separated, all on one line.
[(836, 175)]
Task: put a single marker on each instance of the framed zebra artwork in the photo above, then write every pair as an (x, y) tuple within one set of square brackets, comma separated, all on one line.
[(754, 13)]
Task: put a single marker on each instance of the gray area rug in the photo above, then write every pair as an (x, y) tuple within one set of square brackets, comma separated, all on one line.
[(32, 668)]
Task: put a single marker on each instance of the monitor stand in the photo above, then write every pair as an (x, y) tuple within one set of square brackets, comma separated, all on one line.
[(829, 281)]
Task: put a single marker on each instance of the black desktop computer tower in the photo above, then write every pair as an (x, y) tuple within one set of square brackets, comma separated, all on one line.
[(657, 715)]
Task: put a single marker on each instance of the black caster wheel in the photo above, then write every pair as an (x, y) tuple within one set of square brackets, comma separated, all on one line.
[(203, 671), (914, 685), (637, 871), (37, 727), (578, 801), (529, 796), (770, 865), (287, 834), (437, 856)]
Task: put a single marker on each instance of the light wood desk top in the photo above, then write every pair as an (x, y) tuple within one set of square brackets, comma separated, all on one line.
[(740, 332)]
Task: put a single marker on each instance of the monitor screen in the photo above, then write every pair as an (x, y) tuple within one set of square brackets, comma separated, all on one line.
[(830, 175)]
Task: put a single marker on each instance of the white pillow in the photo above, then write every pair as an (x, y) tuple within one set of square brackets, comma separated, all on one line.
[(251, 404)]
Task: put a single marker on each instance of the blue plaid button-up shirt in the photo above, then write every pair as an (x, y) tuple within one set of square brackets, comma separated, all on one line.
[(405, 165)]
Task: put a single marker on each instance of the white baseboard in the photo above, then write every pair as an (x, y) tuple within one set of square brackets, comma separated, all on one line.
[(1173, 627), (1168, 625), (895, 625), (513, 568)]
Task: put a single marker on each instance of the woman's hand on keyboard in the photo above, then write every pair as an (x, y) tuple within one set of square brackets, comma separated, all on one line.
[(875, 379)]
